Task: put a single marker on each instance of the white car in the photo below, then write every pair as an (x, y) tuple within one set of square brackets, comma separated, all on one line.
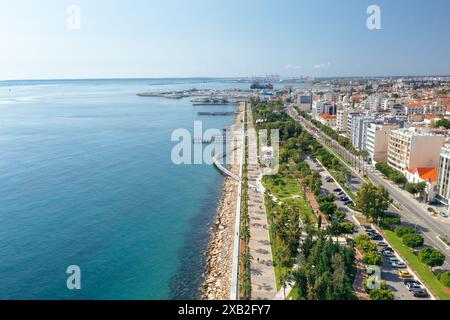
[(398, 264), (388, 254), (394, 259)]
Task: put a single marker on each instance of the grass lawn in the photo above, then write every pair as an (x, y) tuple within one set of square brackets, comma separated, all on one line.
[(283, 187), (422, 270)]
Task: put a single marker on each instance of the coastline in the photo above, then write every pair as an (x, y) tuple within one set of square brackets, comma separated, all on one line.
[(217, 277)]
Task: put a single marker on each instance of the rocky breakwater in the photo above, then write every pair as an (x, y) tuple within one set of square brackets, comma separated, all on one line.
[(217, 278)]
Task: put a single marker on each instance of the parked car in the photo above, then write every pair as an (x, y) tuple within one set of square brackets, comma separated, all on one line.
[(376, 237), (399, 265), (367, 228), (419, 292), (349, 202), (388, 253), (382, 244), (414, 285), (411, 281), (337, 190), (404, 274), (394, 259)]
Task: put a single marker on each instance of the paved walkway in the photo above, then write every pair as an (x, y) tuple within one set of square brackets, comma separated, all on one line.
[(262, 270), (358, 285)]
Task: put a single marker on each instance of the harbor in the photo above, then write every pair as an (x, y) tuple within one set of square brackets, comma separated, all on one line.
[(204, 97)]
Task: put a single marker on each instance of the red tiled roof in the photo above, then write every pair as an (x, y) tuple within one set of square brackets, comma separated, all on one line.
[(428, 174), (414, 105), (327, 116)]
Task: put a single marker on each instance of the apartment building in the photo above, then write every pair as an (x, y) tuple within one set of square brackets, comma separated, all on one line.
[(359, 131), (443, 183), (304, 102), (377, 140), (415, 147), (341, 120), (350, 117), (414, 108)]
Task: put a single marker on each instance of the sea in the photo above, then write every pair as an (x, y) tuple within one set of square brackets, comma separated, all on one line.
[(87, 180)]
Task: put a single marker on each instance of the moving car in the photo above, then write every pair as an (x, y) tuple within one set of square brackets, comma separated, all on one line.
[(443, 214), (404, 274)]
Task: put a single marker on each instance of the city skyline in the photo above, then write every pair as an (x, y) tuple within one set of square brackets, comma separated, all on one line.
[(203, 39)]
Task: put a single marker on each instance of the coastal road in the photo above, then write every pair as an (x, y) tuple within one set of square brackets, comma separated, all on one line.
[(411, 212)]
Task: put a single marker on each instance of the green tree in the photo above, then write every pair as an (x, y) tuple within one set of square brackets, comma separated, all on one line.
[(444, 277), (413, 240), (372, 258), (401, 231), (383, 293), (431, 257), (328, 208), (372, 201)]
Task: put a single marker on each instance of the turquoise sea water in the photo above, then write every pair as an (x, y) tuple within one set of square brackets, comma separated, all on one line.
[(86, 179)]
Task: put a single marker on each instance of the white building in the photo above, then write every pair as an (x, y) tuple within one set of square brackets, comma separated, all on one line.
[(443, 183), (328, 120), (341, 120), (359, 131), (414, 108), (415, 147), (350, 116), (377, 141)]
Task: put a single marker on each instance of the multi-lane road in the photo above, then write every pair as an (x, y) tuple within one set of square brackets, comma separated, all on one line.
[(410, 211)]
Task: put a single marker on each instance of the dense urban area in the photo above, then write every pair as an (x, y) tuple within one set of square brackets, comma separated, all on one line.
[(359, 206)]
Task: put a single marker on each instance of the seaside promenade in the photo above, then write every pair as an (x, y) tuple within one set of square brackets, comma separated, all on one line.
[(262, 270)]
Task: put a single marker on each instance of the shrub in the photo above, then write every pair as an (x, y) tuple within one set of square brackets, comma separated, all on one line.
[(401, 231), (413, 240), (444, 277)]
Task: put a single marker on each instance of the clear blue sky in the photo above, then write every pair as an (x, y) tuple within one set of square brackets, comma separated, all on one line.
[(183, 38)]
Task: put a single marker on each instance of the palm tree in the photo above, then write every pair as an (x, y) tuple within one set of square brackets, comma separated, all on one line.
[(245, 234)]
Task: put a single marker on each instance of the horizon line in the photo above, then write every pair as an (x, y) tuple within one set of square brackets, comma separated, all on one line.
[(230, 77)]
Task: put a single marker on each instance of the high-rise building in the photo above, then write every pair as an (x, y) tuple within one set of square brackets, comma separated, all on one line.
[(304, 102), (341, 120), (415, 147), (443, 184), (377, 141)]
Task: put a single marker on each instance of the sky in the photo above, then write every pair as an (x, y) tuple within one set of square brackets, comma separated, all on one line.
[(221, 38)]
